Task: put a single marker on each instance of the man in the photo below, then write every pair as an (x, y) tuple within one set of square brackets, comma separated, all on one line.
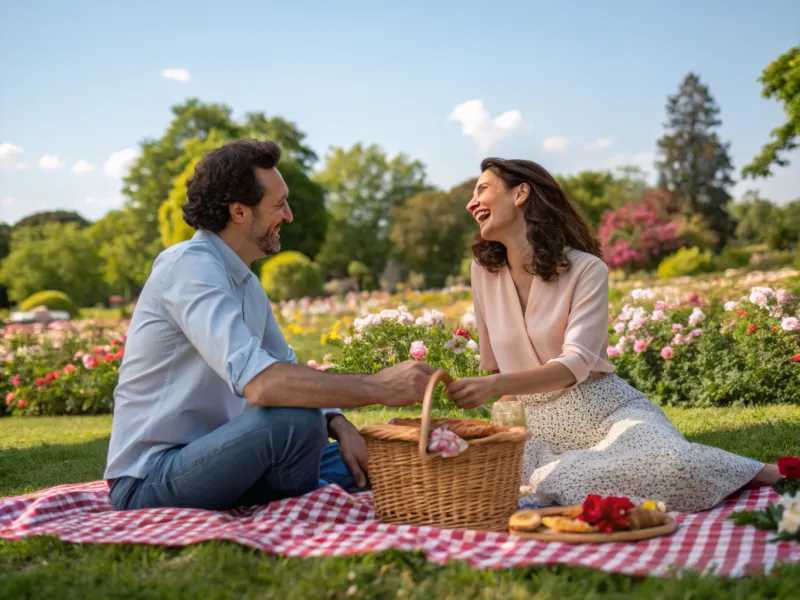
[(211, 410)]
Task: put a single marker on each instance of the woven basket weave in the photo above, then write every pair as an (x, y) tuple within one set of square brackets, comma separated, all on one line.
[(478, 489)]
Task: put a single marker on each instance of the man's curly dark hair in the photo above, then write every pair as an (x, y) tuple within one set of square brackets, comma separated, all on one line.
[(552, 221), (227, 175)]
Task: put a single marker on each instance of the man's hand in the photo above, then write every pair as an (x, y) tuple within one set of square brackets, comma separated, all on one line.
[(351, 447), (403, 384), (472, 392)]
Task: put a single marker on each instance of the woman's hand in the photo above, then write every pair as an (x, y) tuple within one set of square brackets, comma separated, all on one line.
[(472, 392)]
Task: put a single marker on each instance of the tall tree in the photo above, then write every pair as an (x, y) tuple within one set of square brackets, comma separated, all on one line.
[(780, 80), (430, 233), (54, 256), (123, 253), (52, 216), (694, 162), (755, 216), (5, 248), (152, 176), (306, 199), (363, 186)]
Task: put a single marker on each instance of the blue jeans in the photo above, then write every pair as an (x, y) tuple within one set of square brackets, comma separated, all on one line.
[(262, 455)]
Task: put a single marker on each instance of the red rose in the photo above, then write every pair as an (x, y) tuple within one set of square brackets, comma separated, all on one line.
[(796, 358), (741, 313), (789, 467), (752, 329), (591, 509), (461, 332), (39, 382), (49, 377), (774, 329), (608, 514)]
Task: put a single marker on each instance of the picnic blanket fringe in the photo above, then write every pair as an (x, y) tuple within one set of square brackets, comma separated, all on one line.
[(330, 522)]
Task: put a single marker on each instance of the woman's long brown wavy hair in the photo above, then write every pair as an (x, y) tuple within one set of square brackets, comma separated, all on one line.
[(551, 219)]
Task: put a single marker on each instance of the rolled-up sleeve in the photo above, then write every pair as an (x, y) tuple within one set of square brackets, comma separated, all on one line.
[(488, 361), (209, 314), (586, 335)]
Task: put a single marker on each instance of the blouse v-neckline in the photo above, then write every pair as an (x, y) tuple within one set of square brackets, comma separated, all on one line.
[(522, 309)]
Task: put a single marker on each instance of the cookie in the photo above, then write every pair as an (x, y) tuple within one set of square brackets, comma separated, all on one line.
[(525, 520), (567, 524)]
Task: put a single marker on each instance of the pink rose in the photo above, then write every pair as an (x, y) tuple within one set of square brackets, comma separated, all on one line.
[(677, 327), (660, 305), (695, 333), (9, 398), (39, 382), (418, 350), (790, 324), (446, 443), (15, 381), (639, 346), (21, 404), (612, 352), (619, 327), (69, 368), (89, 361), (666, 352)]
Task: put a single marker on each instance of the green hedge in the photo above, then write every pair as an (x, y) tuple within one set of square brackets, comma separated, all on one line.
[(53, 300)]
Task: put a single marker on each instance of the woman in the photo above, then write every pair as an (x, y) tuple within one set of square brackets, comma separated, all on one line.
[(540, 290)]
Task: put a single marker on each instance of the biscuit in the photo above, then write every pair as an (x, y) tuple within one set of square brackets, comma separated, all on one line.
[(568, 525), (525, 520)]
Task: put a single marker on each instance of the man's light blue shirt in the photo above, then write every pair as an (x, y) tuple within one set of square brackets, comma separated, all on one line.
[(201, 330)]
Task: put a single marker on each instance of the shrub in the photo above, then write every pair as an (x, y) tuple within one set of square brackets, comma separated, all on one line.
[(637, 235), (746, 353), (769, 261), (384, 339), (290, 275), (67, 372), (361, 273), (734, 258), (52, 299), (686, 261)]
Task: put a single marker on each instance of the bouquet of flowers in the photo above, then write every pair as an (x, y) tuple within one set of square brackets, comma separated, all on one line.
[(783, 517)]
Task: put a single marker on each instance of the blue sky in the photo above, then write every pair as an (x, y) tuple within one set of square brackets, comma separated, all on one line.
[(573, 85)]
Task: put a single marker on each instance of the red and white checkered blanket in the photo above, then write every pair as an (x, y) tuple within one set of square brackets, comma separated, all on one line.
[(330, 522)]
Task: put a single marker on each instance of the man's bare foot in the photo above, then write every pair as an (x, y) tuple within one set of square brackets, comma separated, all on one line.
[(766, 476)]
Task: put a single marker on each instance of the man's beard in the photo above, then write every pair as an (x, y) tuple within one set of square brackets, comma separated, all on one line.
[(269, 243)]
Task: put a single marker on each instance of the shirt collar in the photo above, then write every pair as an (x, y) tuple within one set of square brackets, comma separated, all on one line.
[(236, 266)]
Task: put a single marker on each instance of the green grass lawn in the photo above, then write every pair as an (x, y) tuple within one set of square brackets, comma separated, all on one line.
[(41, 452)]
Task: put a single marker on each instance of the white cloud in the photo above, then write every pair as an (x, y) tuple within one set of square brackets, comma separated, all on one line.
[(7, 201), (82, 167), (8, 160), (597, 144), (180, 75), (477, 122), (118, 163), (555, 144), (50, 162)]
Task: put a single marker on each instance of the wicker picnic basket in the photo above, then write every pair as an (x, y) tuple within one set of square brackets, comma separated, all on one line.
[(478, 489)]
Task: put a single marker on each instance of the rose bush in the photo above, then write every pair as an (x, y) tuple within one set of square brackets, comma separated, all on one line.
[(746, 351), (65, 368), (383, 339)]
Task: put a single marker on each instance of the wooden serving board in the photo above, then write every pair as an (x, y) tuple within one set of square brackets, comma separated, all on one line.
[(546, 534)]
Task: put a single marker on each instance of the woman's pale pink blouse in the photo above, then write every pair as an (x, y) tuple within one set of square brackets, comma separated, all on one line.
[(566, 320)]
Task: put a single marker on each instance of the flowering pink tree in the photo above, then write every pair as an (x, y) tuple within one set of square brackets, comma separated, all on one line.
[(638, 235)]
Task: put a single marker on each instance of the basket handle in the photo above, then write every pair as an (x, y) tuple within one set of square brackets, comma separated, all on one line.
[(427, 404)]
